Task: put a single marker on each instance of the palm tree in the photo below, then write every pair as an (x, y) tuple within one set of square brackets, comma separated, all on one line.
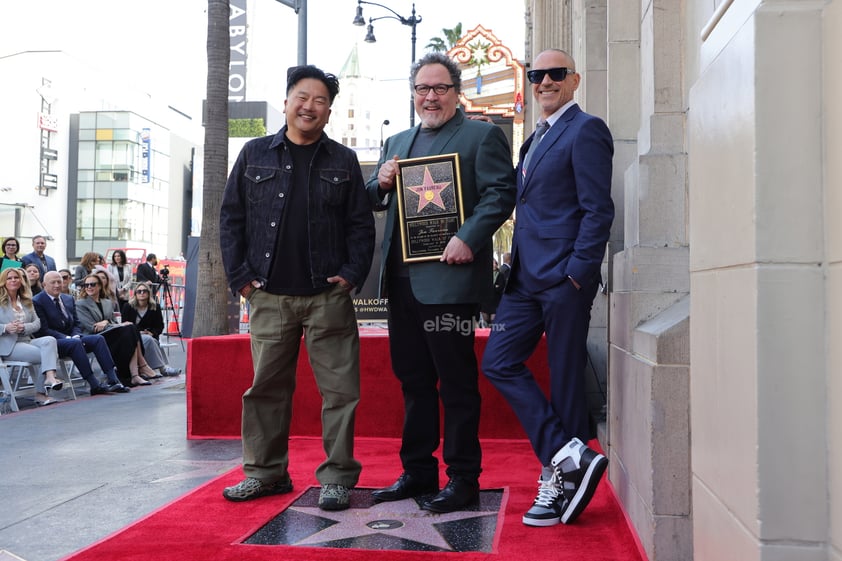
[(451, 37), (212, 293)]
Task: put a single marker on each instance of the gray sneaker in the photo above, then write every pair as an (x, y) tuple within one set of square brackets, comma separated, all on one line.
[(170, 371), (251, 488), (579, 468), (546, 510), (334, 497)]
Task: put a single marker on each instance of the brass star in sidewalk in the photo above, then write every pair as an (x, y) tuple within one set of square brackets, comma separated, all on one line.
[(400, 519), (399, 525)]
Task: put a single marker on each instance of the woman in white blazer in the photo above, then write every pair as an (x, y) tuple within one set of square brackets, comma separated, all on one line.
[(121, 273), (18, 321)]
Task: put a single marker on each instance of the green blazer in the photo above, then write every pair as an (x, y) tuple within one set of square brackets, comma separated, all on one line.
[(488, 194)]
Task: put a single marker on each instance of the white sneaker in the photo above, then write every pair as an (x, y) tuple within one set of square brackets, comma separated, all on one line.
[(546, 510)]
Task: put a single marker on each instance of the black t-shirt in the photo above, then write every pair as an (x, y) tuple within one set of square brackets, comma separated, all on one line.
[(290, 273)]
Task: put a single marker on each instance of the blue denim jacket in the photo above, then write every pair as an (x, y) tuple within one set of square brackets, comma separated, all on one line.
[(341, 223)]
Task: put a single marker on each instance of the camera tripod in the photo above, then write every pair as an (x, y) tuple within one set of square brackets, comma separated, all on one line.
[(169, 307)]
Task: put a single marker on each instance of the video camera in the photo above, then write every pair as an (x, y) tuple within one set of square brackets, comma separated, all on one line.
[(164, 272)]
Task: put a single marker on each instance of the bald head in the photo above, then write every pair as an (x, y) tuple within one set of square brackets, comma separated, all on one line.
[(52, 283)]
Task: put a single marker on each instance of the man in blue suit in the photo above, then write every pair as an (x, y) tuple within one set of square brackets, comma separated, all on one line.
[(564, 215), (39, 258), (433, 304), (57, 313)]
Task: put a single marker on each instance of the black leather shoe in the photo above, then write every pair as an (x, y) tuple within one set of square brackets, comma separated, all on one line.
[(456, 495), (99, 390), (118, 388), (405, 487)]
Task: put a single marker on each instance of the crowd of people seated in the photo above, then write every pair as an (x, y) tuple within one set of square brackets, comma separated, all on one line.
[(96, 316), (48, 314)]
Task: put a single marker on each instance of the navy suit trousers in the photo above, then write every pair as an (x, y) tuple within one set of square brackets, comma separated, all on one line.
[(564, 313), (77, 350)]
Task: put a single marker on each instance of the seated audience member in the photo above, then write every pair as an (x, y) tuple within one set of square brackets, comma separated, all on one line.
[(121, 272), (96, 316), (85, 268), (144, 313), (33, 274), (18, 325), (41, 260), (11, 246), (57, 313), (66, 281), (151, 350), (108, 285)]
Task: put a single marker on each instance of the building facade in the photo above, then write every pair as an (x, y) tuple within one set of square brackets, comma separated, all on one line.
[(725, 294), (91, 165)]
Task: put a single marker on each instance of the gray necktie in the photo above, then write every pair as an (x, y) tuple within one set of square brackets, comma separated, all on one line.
[(540, 130)]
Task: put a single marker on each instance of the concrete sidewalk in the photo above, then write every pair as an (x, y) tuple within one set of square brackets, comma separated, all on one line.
[(76, 472)]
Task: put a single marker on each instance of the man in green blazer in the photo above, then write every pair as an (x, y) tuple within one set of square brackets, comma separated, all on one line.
[(433, 304)]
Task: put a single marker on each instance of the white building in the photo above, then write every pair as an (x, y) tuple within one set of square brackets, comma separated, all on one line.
[(89, 164)]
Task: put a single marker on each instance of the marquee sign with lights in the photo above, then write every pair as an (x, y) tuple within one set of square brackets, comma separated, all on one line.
[(492, 79)]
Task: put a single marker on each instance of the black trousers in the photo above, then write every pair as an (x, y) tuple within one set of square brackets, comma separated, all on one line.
[(122, 342), (432, 350)]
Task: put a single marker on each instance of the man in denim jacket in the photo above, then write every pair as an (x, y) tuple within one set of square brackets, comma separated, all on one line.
[(297, 236)]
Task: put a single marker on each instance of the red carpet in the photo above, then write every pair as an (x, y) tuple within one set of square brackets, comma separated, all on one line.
[(204, 526), (220, 371)]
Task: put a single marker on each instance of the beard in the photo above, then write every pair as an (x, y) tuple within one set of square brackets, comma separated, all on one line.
[(434, 116)]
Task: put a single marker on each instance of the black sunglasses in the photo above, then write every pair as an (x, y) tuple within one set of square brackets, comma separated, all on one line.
[(141, 291), (65, 277), (556, 74), (90, 284)]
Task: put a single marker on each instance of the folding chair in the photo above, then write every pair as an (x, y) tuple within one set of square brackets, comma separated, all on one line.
[(71, 376), (13, 373)]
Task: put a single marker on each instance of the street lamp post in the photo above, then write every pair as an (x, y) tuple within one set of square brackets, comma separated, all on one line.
[(383, 124), (411, 21), (300, 7)]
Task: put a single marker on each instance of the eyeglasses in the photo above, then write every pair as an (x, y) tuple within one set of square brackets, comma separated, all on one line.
[(141, 291), (440, 89), (90, 284), (556, 74)]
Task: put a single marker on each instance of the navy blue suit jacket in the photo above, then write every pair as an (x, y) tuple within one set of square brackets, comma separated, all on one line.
[(53, 322), (564, 207), (33, 258)]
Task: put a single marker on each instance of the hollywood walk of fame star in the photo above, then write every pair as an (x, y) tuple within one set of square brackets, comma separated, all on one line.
[(399, 519), (429, 191)]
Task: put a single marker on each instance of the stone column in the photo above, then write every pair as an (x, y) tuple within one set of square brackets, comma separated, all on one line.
[(649, 358), (762, 295)]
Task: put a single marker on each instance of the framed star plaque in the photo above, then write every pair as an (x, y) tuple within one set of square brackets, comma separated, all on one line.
[(430, 207)]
